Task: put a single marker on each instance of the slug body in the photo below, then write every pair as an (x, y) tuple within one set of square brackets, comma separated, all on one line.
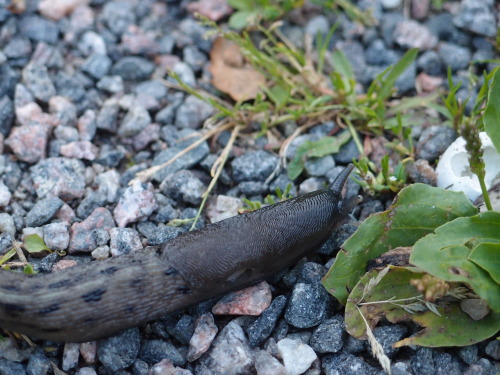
[(101, 298)]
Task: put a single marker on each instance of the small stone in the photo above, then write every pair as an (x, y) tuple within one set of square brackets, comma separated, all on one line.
[(430, 63), (261, 329), (66, 134), (7, 224), (58, 9), (186, 161), (56, 235), (476, 308), (468, 354), (328, 336), (92, 200), (420, 9), (38, 363), (253, 188), (39, 29), (266, 364), (136, 203), (109, 183), (124, 241), (476, 16), (5, 195), (80, 150), (253, 165), (422, 362), (249, 301), (183, 186), (118, 16), (153, 351), (204, 333), (29, 142), (493, 349), (230, 354), (136, 120), (165, 367), (101, 252), (411, 34), (426, 83), (87, 125), (8, 80), (6, 115), (316, 167), (37, 80), (192, 113), (214, 10), (18, 48), (119, 352), (71, 354), (434, 141), (421, 171), (111, 84), (454, 56), (391, 4), (297, 356), (82, 237), (346, 364), (43, 210), (224, 207), (308, 305), (60, 177), (133, 68), (97, 65), (11, 368), (63, 110), (187, 76), (387, 336)]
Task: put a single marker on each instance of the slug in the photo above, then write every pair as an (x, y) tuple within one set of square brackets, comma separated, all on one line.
[(99, 299)]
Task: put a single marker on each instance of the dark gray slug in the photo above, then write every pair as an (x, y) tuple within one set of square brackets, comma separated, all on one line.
[(101, 298)]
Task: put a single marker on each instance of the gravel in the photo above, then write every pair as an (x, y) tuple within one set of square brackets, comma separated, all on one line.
[(83, 108)]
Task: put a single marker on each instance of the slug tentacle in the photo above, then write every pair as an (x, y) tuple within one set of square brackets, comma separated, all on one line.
[(101, 298)]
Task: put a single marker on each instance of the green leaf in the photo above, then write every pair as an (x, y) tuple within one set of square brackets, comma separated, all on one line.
[(9, 254), (279, 95), (33, 243), (491, 117), (445, 253), (487, 256), (398, 69), (241, 19), (417, 211), (341, 64), (241, 4), (452, 327)]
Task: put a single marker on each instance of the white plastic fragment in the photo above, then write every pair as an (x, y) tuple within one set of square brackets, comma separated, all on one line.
[(453, 171)]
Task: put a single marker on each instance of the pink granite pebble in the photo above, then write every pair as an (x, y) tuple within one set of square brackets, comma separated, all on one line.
[(249, 301)]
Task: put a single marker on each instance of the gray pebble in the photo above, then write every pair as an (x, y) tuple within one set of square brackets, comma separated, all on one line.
[(454, 56), (346, 364), (388, 335), (62, 177), (153, 351), (92, 200), (71, 86), (476, 16), (124, 241), (252, 188), (133, 68), (135, 121), (183, 329), (317, 167), (39, 29), (346, 153), (434, 141), (119, 352), (253, 165), (107, 116), (431, 63), (8, 80), (11, 368), (111, 84), (260, 330), (308, 305), (56, 235), (38, 363), (422, 362), (183, 186), (446, 364), (328, 336), (37, 80), (118, 16), (97, 65), (192, 113), (468, 354), (493, 349), (6, 115), (43, 211)]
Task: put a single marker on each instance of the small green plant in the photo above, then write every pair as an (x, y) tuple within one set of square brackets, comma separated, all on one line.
[(385, 181), (33, 244), (249, 13), (268, 200)]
